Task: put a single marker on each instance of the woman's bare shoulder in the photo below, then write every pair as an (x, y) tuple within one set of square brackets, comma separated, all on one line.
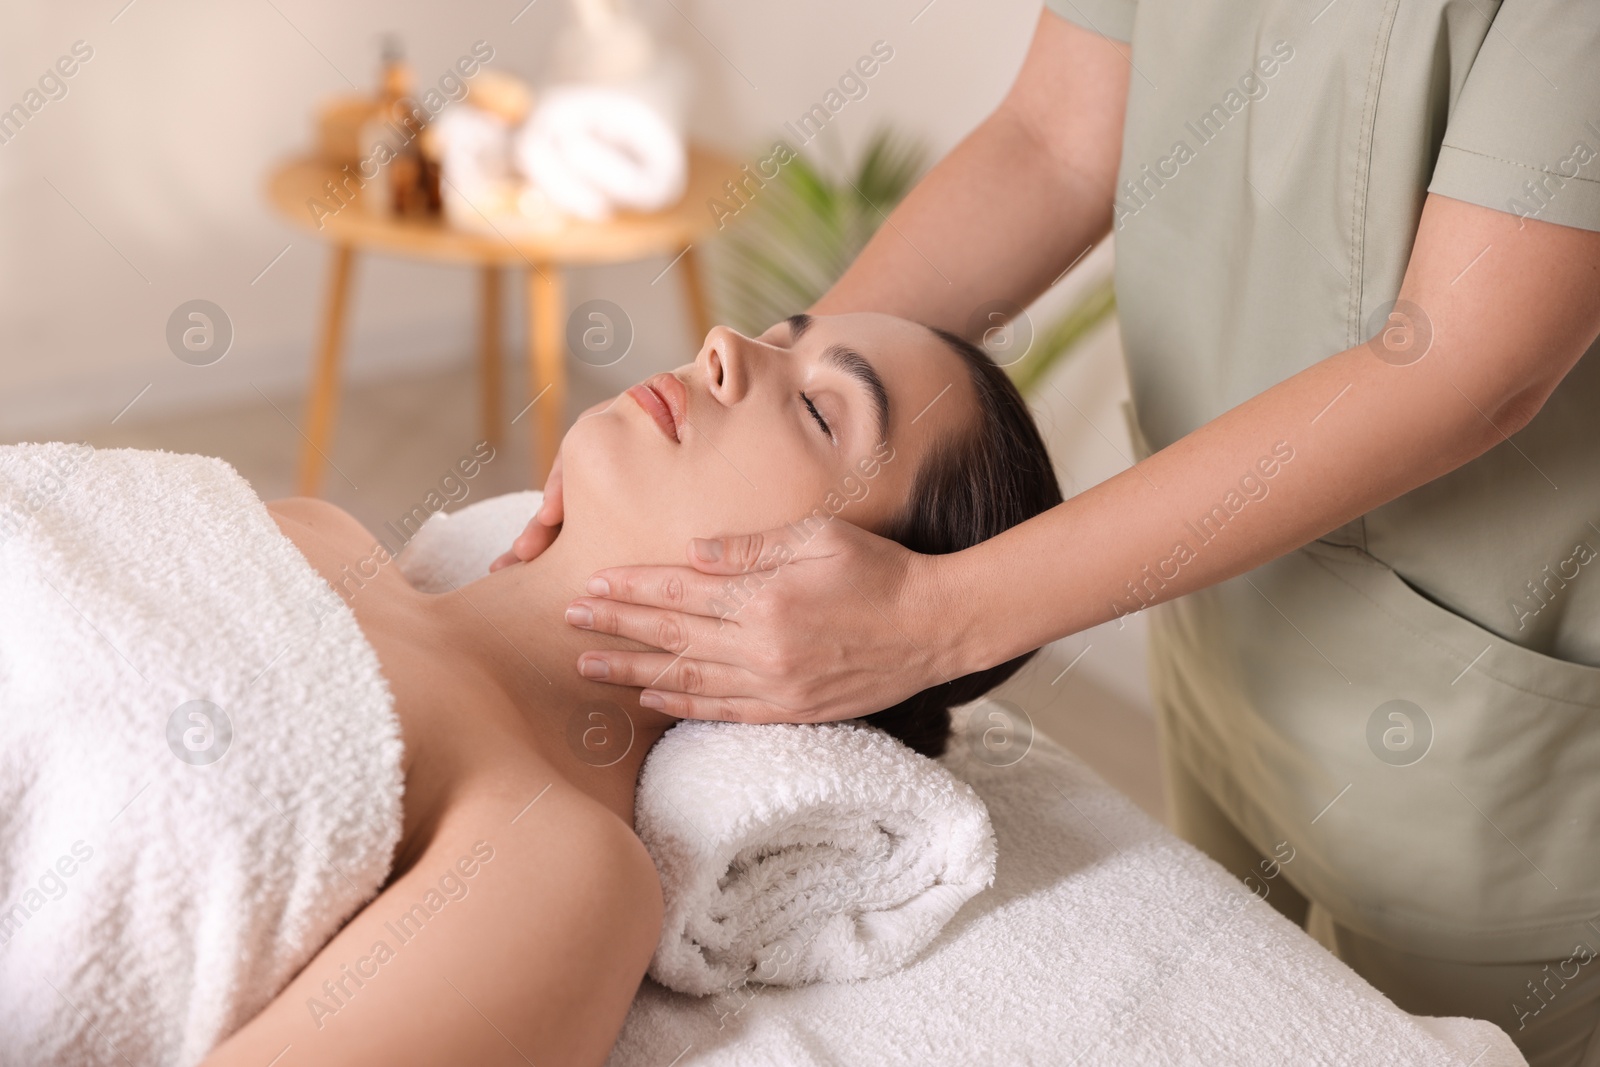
[(522, 931), (314, 525)]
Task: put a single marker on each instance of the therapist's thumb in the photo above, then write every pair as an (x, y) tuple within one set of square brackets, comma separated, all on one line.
[(744, 553)]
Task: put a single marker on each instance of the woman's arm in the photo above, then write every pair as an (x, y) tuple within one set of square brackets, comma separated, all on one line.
[(854, 623), (1020, 199), (519, 936)]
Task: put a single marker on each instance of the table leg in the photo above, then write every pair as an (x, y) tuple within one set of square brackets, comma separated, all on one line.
[(694, 288), (489, 355), (323, 400), (547, 364)]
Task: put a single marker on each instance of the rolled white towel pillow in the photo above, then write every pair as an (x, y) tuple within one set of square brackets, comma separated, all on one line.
[(792, 854)]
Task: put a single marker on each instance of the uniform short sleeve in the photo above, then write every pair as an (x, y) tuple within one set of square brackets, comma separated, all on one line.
[(1110, 18), (1524, 135)]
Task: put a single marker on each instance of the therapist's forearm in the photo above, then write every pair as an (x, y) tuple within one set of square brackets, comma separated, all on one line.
[(970, 234), (1021, 198), (1339, 439)]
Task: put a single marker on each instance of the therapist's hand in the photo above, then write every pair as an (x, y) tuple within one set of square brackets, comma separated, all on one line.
[(766, 628), (541, 531)]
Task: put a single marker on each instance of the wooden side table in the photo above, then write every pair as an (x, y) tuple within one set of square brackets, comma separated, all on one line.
[(543, 254)]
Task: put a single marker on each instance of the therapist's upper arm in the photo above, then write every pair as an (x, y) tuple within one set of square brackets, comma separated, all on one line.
[(1505, 306), (1071, 96), (1506, 263)]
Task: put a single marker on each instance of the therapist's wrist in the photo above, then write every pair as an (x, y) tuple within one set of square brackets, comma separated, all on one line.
[(942, 604)]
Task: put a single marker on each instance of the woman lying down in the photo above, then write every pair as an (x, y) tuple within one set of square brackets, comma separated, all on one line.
[(246, 823)]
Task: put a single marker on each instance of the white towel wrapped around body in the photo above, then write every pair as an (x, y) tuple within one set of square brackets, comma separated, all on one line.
[(164, 872)]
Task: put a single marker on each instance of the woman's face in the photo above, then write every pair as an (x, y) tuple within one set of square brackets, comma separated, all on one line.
[(823, 416)]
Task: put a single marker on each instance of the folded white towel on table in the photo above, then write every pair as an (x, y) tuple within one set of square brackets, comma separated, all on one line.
[(594, 149), (475, 158), (788, 854), (200, 767)]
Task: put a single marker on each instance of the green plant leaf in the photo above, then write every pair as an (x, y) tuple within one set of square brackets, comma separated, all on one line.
[(1062, 337)]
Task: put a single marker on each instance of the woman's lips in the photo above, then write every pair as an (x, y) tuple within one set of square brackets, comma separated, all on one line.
[(665, 400)]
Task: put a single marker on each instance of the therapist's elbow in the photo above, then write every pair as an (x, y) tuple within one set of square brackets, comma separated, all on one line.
[(1516, 411), (1485, 423), (1496, 393)]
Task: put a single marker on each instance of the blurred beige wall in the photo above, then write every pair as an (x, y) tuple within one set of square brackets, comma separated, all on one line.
[(142, 188)]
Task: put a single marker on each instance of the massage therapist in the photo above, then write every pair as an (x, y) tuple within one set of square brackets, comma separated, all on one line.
[(1358, 269)]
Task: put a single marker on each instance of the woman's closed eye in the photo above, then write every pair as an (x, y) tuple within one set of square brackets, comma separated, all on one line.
[(817, 415)]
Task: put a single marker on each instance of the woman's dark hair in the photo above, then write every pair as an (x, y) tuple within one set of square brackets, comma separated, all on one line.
[(980, 483)]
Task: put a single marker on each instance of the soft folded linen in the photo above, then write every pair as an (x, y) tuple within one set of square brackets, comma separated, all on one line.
[(475, 159), (787, 854), (200, 766), (597, 148), (796, 854)]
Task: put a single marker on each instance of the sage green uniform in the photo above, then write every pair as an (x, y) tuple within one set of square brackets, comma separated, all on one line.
[(1412, 703)]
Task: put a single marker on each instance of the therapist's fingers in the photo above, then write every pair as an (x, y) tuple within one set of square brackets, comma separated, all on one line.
[(534, 538), (553, 508), (670, 631), (676, 672), (759, 552), (762, 554), (719, 709), (541, 531), (675, 588)]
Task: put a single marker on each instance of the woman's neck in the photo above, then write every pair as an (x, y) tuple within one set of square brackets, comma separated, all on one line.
[(512, 624)]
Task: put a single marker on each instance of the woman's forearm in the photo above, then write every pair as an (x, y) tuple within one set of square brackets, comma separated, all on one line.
[(1315, 451), (1010, 207), (1285, 467)]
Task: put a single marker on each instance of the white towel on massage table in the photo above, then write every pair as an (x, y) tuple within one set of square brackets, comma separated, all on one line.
[(1105, 941), (151, 904)]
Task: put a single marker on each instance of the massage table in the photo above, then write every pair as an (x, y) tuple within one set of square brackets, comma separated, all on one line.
[(1105, 939)]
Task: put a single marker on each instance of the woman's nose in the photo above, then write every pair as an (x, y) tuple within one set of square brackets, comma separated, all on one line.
[(725, 359)]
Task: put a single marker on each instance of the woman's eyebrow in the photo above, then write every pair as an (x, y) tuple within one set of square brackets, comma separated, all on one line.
[(856, 366), (798, 324)]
